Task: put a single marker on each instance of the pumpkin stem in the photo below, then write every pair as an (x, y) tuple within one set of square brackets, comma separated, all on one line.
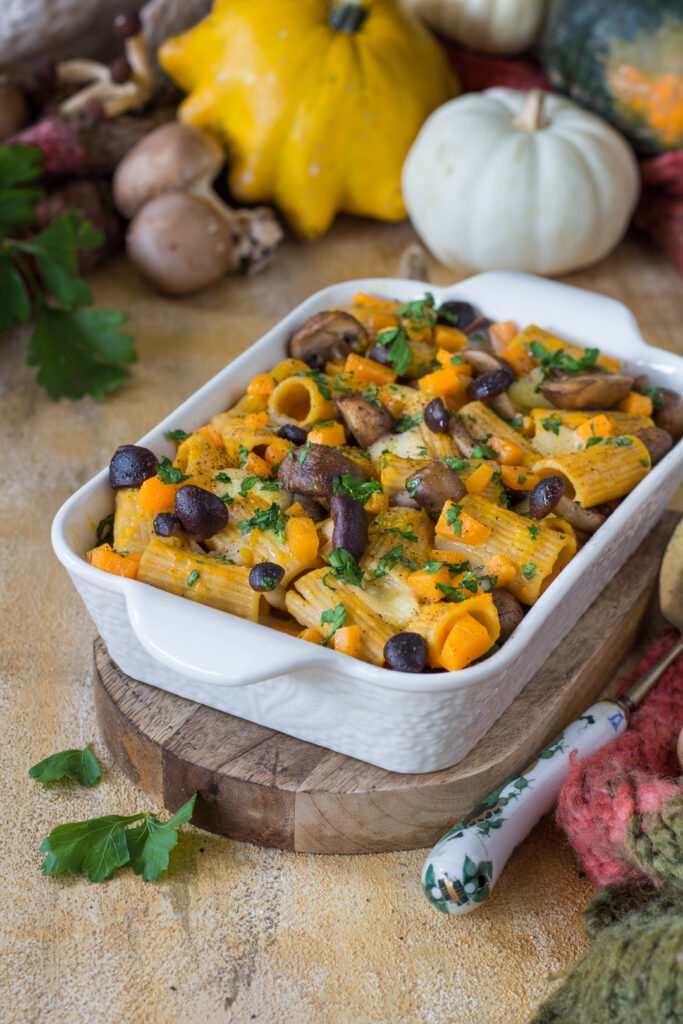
[(348, 15), (531, 118)]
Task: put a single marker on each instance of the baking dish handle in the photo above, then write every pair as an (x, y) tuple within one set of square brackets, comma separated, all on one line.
[(222, 650)]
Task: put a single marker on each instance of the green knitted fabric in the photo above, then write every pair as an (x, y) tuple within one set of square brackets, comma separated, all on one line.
[(633, 972), (654, 842)]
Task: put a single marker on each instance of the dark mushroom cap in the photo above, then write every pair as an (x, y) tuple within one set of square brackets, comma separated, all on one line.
[(406, 652), (657, 441), (433, 486), (131, 465), (510, 612), (350, 525), (331, 334), (587, 390), (366, 420), (670, 417), (202, 513), (312, 470)]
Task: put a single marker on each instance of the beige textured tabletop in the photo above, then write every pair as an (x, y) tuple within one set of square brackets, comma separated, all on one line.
[(233, 933)]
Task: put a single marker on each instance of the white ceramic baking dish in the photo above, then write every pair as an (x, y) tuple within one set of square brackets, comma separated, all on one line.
[(396, 720)]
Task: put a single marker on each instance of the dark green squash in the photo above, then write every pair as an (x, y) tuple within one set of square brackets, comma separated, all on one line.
[(624, 60)]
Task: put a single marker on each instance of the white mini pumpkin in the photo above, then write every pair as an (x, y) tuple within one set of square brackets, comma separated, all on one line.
[(491, 26), (510, 180)]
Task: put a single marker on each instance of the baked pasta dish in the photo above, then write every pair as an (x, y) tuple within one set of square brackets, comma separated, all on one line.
[(401, 487)]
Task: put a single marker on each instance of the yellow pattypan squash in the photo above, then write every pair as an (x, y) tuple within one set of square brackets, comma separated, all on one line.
[(317, 101)]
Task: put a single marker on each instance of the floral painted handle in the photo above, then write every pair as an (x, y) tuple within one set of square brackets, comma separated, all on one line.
[(466, 863)]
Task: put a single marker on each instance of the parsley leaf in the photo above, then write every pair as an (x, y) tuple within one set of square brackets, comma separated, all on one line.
[(248, 483), (80, 765), (400, 353), (193, 577), (243, 455), (372, 394), (412, 486), (406, 534), (265, 519), (451, 593), (552, 423), (336, 617), (223, 478), (351, 484), (455, 463), (420, 312), (392, 558), (168, 473), (654, 395), (561, 360), (528, 570), (452, 519), (407, 422), (105, 530), (482, 451), (345, 568), (533, 530), (432, 566), (98, 846), (78, 349), (176, 435)]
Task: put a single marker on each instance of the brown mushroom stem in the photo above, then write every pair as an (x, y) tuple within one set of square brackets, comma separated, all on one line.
[(462, 437), (531, 117), (584, 519), (115, 98), (503, 406)]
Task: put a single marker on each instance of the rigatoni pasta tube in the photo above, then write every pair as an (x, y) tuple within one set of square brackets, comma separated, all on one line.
[(300, 400), (554, 429), (537, 552), (310, 597), (201, 579), (133, 526), (482, 422), (435, 623), (599, 473)]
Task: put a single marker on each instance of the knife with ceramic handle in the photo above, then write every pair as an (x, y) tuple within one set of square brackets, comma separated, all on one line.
[(466, 863)]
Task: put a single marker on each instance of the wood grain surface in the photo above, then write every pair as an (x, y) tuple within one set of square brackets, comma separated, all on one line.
[(233, 933), (258, 785)]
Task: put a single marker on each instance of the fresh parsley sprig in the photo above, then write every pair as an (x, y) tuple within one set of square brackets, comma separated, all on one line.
[(80, 765), (335, 617), (344, 568), (77, 348), (562, 360), (361, 490), (400, 354), (98, 846)]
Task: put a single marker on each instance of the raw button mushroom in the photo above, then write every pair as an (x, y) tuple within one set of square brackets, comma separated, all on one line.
[(329, 335), (183, 236)]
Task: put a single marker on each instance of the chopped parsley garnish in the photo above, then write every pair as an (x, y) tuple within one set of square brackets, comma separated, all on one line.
[(400, 354), (406, 534), (533, 530), (372, 394), (412, 486), (227, 498), (176, 435), (552, 423), (336, 617), (339, 385), (221, 558), (451, 593), (420, 313), (223, 478), (321, 382), (561, 360), (623, 442), (528, 570), (457, 360), (654, 395), (265, 519), (444, 313), (303, 453), (482, 451), (193, 577), (452, 519), (516, 422), (383, 460), (170, 474), (454, 568), (345, 568), (645, 462), (350, 484), (407, 422), (248, 483), (105, 530), (244, 455), (392, 558), (270, 485), (455, 463)]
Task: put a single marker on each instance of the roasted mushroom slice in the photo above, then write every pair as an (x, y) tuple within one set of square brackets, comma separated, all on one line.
[(670, 416), (462, 437), (587, 390), (510, 612), (433, 486), (350, 525), (588, 520), (311, 507), (366, 420), (331, 334), (312, 470), (485, 362), (657, 441)]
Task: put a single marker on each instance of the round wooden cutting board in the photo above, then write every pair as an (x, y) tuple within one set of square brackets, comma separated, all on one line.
[(262, 786)]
